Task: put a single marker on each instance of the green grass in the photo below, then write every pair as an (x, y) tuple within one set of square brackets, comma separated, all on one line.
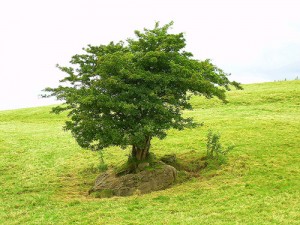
[(45, 176)]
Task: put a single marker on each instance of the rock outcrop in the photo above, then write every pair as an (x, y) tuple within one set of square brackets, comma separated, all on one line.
[(145, 181)]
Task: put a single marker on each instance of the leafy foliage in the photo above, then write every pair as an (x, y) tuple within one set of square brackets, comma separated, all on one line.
[(214, 147), (124, 94)]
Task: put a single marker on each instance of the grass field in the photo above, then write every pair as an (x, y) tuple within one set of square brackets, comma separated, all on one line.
[(45, 176)]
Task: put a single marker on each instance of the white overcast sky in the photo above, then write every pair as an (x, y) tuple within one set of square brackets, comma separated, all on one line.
[(254, 40)]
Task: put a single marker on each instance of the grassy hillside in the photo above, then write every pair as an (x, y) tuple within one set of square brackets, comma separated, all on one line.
[(44, 175)]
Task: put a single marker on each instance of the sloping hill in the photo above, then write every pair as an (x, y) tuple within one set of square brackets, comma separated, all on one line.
[(44, 175)]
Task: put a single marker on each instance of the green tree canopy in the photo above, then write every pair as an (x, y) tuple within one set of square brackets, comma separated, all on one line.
[(124, 94)]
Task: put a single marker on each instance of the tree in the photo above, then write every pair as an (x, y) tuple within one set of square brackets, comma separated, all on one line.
[(124, 94)]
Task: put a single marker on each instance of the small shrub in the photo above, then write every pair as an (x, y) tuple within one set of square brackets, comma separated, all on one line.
[(102, 165), (214, 149)]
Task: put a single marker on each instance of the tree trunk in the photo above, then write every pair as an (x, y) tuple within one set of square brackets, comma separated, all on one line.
[(141, 152)]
